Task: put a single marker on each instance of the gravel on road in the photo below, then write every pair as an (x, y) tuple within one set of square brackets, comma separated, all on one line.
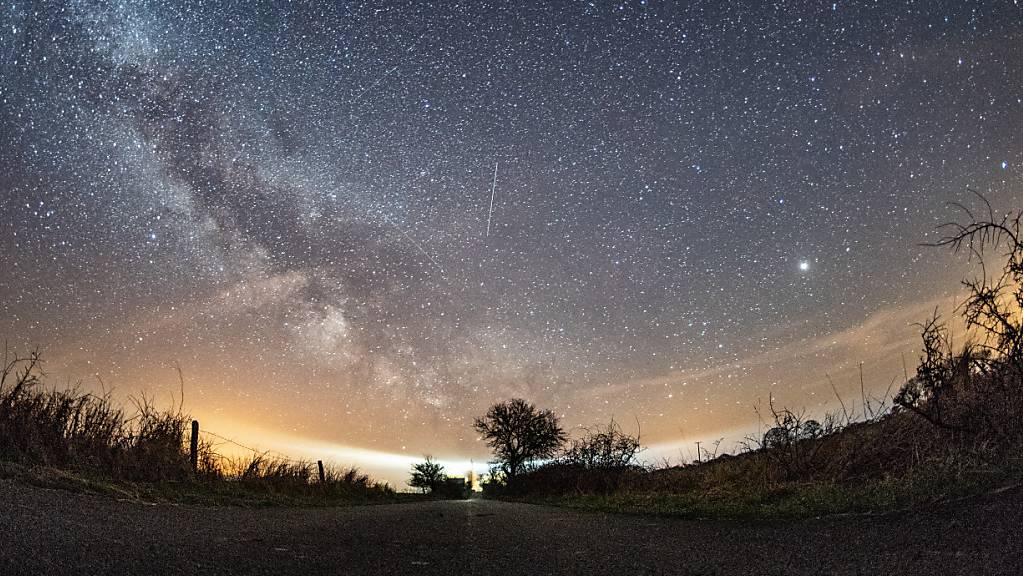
[(52, 532)]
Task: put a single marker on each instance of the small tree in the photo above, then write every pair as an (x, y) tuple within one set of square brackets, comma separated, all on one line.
[(519, 434), (994, 303), (924, 393), (793, 441), (427, 475), (973, 390), (790, 428)]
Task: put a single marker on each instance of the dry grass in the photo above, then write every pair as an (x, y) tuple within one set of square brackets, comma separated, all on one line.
[(895, 459), (95, 441), (68, 428), (955, 427)]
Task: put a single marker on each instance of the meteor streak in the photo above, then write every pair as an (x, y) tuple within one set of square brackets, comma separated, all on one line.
[(493, 188)]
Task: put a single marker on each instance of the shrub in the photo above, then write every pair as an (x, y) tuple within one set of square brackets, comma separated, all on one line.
[(72, 429), (976, 392), (603, 448), (84, 432), (427, 475)]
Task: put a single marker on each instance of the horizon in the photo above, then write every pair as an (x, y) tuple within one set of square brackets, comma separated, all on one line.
[(355, 228)]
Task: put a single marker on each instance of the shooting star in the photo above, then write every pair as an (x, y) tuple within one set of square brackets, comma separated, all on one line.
[(373, 85), (414, 243), (384, 75), (493, 189)]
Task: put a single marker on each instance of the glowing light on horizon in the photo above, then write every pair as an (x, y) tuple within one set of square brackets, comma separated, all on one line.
[(315, 256)]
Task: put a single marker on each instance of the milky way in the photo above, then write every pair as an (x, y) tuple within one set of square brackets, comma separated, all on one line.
[(363, 223)]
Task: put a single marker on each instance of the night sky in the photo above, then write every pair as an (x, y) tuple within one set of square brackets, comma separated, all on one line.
[(358, 225)]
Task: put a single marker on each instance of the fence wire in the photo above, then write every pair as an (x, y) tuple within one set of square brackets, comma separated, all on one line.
[(275, 454)]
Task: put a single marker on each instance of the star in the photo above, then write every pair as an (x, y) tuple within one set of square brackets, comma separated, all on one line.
[(363, 226)]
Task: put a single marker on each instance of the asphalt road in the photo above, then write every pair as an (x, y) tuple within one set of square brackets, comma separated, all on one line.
[(47, 532)]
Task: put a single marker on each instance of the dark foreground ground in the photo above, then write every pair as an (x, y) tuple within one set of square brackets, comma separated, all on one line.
[(48, 532)]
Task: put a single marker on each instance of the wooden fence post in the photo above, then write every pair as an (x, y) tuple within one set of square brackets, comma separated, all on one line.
[(323, 477), (194, 447)]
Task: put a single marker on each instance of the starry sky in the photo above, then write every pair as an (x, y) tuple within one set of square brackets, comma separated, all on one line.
[(356, 225)]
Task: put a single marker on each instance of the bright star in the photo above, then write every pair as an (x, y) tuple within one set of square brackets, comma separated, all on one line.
[(804, 265)]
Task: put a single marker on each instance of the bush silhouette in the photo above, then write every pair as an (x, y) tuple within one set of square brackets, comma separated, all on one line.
[(428, 475), (604, 448), (976, 391), (87, 433)]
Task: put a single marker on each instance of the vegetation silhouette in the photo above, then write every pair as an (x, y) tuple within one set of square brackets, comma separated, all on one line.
[(520, 434), (975, 390), (603, 448), (602, 460), (952, 429), (427, 476), (70, 438)]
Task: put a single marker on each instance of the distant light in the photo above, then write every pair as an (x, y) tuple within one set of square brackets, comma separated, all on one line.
[(804, 265), (1004, 164)]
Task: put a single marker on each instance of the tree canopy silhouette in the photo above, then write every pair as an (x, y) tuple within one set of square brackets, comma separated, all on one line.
[(519, 434), (973, 390), (427, 475)]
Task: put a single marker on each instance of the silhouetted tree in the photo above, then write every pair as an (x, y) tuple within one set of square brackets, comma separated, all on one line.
[(946, 386), (792, 441), (427, 475), (777, 437), (994, 303), (923, 393), (519, 434), (791, 427)]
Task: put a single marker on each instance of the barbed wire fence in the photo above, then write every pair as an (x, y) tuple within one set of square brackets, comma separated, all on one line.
[(224, 440)]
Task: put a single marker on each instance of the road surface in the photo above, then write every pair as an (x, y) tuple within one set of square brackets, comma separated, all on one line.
[(50, 532)]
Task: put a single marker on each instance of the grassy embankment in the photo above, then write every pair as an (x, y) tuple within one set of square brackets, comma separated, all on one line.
[(67, 438), (954, 429), (891, 463)]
